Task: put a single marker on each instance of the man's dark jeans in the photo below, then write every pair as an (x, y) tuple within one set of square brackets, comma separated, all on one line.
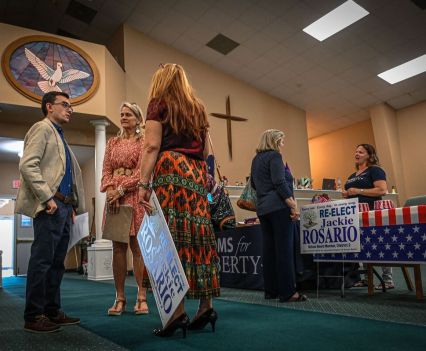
[(46, 266)]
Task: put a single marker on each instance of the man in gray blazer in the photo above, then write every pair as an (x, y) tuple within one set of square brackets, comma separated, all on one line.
[(51, 190)]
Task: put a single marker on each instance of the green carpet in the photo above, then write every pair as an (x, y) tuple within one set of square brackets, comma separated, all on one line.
[(240, 326)]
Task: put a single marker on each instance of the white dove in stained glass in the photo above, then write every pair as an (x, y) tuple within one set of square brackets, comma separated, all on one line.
[(53, 77)]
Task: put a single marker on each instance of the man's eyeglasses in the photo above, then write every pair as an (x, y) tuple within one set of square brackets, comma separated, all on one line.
[(65, 105)]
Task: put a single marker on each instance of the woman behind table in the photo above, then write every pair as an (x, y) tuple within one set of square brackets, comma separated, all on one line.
[(368, 184), (120, 176), (276, 208), (174, 146)]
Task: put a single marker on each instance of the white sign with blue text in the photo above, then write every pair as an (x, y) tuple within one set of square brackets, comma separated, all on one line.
[(167, 277), (330, 227)]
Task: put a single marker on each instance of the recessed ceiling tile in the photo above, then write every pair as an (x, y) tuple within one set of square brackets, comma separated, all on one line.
[(73, 25), (300, 15), (243, 55), (216, 19), (387, 93), (280, 54), (261, 64), (238, 31), (260, 43), (401, 101), (283, 73), (300, 43), (171, 28), (355, 74), (248, 75), (299, 65), (141, 22), (360, 53), (419, 95), (258, 19), (192, 8), (200, 33), (279, 30), (372, 84), (316, 75), (154, 9), (234, 8), (116, 10)]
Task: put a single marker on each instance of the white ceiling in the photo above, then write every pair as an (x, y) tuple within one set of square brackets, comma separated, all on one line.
[(335, 81)]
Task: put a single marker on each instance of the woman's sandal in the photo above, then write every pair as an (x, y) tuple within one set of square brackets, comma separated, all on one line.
[(141, 307), (115, 310), (360, 284), (388, 286)]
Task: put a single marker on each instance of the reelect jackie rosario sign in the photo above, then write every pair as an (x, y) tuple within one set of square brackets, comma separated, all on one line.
[(330, 227), (168, 280)]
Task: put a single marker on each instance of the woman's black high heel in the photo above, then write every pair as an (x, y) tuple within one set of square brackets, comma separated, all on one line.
[(181, 322), (210, 316)]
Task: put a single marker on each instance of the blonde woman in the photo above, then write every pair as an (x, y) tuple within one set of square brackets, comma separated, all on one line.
[(276, 208), (120, 177), (174, 148)]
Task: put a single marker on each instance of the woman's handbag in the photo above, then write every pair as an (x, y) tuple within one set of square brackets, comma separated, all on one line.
[(248, 198), (222, 213), (117, 225)]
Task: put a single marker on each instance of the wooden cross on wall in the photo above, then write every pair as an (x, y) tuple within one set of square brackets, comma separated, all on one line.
[(228, 118)]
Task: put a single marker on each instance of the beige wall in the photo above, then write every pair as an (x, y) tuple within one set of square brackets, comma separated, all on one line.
[(385, 129), (411, 123), (332, 154), (142, 57)]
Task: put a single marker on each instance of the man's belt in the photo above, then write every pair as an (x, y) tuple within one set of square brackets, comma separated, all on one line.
[(123, 171), (65, 199)]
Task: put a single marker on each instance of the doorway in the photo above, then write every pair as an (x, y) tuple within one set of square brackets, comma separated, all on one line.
[(7, 237)]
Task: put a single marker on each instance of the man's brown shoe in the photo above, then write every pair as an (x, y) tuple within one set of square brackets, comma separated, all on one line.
[(62, 319), (41, 324)]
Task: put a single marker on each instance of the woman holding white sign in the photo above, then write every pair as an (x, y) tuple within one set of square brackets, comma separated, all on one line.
[(368, 184), (276, 208), (174, 152), (120, 176)]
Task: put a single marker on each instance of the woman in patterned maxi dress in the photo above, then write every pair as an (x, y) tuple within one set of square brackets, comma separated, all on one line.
[(174, 151)]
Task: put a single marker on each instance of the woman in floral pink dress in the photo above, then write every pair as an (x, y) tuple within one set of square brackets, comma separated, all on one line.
[(120, 175)]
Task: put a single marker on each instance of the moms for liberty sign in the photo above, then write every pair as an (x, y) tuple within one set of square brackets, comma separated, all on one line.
[(240, 258), (330, 227)]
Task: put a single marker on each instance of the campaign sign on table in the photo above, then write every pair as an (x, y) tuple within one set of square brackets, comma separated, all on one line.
[(240, 262), (168, 280), (330, 227)]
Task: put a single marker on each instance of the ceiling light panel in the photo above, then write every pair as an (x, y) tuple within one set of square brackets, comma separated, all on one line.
[(336, 20), (405, 71)]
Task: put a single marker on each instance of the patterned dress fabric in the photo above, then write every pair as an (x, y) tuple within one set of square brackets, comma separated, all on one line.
[(123, 156), (180, 185)]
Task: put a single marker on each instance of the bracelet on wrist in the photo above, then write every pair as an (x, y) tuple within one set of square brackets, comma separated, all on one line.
[(145, 185), (121, 191)]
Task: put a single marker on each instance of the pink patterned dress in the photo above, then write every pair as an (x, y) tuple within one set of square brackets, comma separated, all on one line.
[(122, 167)]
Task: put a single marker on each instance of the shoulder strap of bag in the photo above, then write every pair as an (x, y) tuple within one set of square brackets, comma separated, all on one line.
[(216, 162)]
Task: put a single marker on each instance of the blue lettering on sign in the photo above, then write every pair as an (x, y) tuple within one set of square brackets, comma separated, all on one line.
[(330, 235)]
